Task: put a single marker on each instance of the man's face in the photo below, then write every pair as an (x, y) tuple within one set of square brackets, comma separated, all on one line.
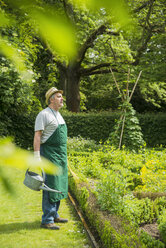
[(57, 101)]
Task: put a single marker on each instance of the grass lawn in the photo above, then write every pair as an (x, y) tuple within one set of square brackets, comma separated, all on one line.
[(20, 217)]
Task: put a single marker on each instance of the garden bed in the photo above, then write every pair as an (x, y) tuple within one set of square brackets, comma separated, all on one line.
[(121, 194), (110, 230)]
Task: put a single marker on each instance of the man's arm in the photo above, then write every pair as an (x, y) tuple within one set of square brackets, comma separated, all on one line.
[(36, 144)]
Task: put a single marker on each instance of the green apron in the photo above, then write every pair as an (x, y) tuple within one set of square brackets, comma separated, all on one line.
[(55, 149)]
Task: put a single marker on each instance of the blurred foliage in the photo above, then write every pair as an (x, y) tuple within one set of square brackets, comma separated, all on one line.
[(10, 50), (12, 156), (51, 23), (117, 9), (60, 29), (149, 241)]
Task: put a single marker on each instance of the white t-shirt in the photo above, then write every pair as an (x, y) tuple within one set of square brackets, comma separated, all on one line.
[(47, 121)]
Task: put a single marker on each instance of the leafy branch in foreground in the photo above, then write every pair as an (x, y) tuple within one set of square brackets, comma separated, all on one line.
[(14, 157)]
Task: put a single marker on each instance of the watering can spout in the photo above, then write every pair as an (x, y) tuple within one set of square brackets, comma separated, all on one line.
[(46, 188)]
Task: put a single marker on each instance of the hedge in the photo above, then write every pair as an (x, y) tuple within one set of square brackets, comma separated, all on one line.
[(98, 126), (95, 126), (153, 128)]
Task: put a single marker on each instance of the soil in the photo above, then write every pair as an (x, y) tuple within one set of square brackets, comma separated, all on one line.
[(151, 229)]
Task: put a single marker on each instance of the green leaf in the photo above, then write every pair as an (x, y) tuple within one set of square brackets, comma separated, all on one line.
[(12, 156), (3, 19), (116, 8), (13, 55), (56, 31)]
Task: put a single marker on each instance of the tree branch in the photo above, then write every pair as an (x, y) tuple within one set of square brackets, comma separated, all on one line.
[(106, 71), (144, 5), (68, 8), (142, 48), (96, 70), (90, 41), (147, 28)]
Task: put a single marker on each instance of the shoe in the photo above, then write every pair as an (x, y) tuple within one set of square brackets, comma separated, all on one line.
[(50, 226), (60, 220)]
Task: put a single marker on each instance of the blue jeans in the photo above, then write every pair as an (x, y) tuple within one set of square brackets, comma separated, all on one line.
[(50, 210)]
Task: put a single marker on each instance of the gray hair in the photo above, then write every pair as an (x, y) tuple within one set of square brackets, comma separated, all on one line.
[(51, 97)]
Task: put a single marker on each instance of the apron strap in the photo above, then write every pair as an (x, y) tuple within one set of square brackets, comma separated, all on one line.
[(54, 115)]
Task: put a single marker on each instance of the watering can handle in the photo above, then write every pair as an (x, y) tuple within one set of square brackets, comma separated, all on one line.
[(43, 174), (26, 172)]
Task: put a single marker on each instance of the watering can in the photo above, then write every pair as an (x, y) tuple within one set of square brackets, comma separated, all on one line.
[(36, 182)]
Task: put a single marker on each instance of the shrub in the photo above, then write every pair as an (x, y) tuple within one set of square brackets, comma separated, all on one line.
[(88, 125), (127, 132), (150, 242), (93, 126), (162, 225)]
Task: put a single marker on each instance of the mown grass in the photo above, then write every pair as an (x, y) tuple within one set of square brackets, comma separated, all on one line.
[(20, 217)]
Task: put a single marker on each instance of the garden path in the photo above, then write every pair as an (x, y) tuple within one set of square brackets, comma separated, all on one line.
[(20, 217)]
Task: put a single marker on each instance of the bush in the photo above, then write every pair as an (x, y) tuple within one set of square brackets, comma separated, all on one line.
[(91, 126), (150, 242), (162, 225), (81, 144), (153, 128), (98, 126), (18, 105)]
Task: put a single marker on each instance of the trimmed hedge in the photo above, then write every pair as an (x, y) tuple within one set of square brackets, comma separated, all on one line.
[(98, 126), (153, 128), (19, 127), (95, 126)]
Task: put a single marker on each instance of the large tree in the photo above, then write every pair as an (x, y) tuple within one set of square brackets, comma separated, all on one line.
[(102, 42)]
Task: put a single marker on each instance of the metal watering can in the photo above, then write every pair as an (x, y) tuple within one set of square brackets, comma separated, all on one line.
[(36, 182)]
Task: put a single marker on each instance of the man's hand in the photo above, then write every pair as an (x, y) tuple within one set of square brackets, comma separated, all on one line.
[(37, 155)]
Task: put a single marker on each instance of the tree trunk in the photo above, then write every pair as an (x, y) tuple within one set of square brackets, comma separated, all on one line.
[(73, 92), (62, 81)]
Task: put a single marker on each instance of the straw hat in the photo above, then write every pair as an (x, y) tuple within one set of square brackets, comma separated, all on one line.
[(50, 92)]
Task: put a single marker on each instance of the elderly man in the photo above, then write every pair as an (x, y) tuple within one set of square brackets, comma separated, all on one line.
[(50, 141)]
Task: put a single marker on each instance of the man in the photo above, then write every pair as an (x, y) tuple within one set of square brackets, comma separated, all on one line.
[(50, 141)]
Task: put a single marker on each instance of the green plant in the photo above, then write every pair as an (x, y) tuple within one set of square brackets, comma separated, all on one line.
[(118, 173), (111, 190), (162, 224), (162, 229), (84, 195), (127, 131), (80, 144), (150, 242), (138, 211)]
